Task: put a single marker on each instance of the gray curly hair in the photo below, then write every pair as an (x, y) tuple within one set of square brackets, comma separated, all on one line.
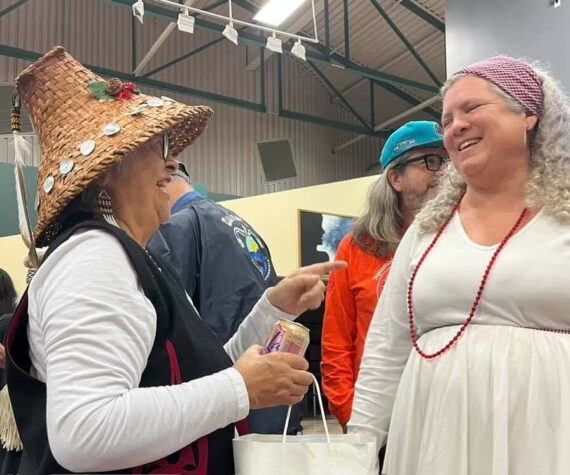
[(549, 183)]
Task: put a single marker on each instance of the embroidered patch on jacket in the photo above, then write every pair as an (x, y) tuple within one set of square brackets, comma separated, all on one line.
[(251, 243)]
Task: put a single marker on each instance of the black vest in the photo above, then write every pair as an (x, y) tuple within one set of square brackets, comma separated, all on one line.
[(184, 349)]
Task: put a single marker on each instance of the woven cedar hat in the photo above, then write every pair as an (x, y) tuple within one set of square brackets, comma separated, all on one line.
[(85, 125)]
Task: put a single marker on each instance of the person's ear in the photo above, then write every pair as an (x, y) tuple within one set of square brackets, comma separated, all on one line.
[(395, 180), (531, 121)]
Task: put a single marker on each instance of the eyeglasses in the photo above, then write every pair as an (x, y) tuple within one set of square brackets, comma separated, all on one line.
[(170, 165), (432, 161)]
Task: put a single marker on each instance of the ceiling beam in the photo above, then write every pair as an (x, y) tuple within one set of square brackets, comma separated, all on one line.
[(392, 120), (414, 101), (12, 7), (282, 112), (406, 42), (191, 53), (426, 40), (339, 95), (246, 5), (424, 14), (157, 44), (406, 113), (164, 36), (339, 61)]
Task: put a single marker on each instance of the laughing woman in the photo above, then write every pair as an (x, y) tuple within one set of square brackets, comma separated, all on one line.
[(467, 359)]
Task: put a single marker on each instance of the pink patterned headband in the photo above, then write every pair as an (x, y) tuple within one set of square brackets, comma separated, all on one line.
[(513, 76)]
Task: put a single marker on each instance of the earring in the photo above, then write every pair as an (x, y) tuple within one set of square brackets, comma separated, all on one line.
[(525, 136), (165, 146), (106, 207), (104, 202)]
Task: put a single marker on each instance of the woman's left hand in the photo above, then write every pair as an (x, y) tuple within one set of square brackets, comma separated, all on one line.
[(2, 357), (303, 289)]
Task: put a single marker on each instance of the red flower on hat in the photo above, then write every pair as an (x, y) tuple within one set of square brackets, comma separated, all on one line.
[(113, 89), (127, 91)]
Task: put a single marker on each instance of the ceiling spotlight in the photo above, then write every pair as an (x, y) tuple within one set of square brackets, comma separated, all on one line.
[(186, 22), (138, 10), (299, 51), (231, 33), (274, 44)]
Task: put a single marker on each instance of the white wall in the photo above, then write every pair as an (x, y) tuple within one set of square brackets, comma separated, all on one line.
[(529, 28)]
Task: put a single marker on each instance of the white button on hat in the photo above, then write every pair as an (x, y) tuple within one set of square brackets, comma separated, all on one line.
[(66, 166), (87, 147), (111, 128), (48, 184), (155, 102)]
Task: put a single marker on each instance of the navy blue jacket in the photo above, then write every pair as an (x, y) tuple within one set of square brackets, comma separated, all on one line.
[(224, 264)]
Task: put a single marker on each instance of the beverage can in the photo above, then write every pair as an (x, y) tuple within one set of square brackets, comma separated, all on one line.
[(288, 337)]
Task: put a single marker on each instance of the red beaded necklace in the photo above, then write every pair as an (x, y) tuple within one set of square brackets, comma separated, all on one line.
[(484, 279)]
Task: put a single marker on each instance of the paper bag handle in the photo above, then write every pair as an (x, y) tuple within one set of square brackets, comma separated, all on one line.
[(316, 384)]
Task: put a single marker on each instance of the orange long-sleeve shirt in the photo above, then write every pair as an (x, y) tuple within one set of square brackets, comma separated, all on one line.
[(352, 295)]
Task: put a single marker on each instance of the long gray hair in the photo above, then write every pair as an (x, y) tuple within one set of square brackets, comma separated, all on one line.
[(549, 183), (379, 230)]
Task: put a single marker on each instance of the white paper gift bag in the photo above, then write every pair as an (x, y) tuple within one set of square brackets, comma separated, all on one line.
[(315, 454)]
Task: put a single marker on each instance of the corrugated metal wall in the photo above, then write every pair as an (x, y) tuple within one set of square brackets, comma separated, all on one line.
[(224, 157)]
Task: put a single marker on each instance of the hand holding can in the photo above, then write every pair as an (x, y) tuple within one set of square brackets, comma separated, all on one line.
[(274, 379)]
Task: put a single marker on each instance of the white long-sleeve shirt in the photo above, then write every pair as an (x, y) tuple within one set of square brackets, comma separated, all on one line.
[(400, 392), (91, 330)]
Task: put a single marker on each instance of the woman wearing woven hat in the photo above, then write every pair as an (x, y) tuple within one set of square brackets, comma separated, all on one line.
[(110, 368), (467, 359), (411, 160)]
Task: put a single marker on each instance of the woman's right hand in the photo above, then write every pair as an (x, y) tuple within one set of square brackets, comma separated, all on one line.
[(274, 379)]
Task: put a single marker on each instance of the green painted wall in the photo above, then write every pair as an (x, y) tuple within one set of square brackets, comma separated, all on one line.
[(203, 190), (221, 196), (8, 203)]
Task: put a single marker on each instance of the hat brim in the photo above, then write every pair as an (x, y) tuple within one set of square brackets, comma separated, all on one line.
[(82, 117), (436, 143)]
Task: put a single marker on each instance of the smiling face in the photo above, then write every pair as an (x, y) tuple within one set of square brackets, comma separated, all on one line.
[(484, 136), (415, 183), (138, 189)]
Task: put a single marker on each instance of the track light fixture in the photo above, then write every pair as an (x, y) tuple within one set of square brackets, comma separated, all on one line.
[(138, 10)]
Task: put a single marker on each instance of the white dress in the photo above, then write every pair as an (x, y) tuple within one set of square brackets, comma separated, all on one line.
[(497, 402)]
